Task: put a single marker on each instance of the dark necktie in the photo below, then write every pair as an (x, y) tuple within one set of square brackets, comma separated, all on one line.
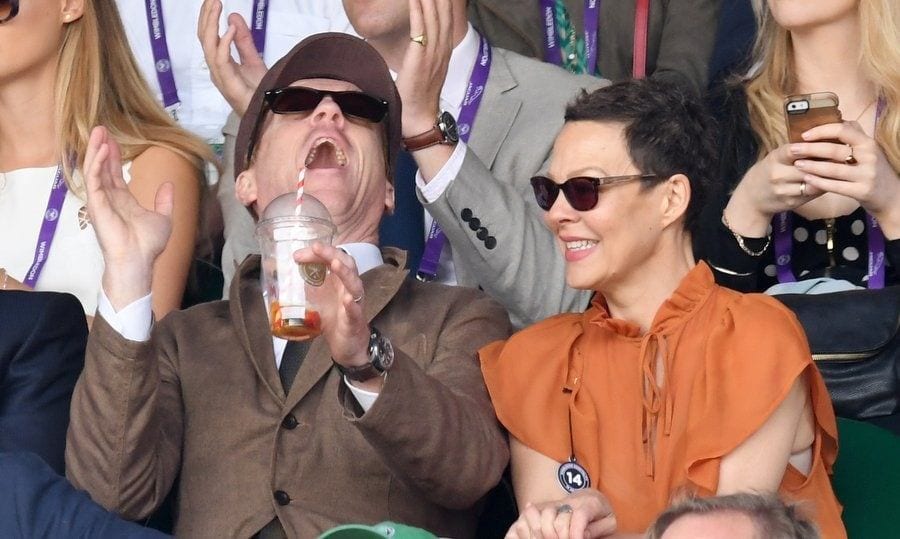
[(293, 356), (406, 227)]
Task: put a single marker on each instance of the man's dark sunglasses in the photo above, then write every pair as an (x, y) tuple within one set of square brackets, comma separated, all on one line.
[(8, 9), (582, 192), (296, 99)]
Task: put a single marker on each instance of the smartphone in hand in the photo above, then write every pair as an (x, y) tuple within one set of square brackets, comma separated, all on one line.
[(803, 112)]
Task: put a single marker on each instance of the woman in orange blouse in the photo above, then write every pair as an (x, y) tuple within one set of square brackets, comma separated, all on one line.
[(668, 384)]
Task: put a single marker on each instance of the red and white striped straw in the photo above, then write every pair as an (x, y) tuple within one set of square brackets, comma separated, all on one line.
[(300, 181)]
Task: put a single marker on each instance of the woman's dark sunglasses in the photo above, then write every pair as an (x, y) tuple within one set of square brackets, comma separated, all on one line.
[(8, 9), (582, 192), (296, 99)]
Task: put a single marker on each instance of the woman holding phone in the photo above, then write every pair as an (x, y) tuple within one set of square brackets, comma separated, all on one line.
[(832, 197), (667, 384), (67, 68)]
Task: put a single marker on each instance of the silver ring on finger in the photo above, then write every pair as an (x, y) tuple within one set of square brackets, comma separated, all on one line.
[(563, 509), (358, 298)]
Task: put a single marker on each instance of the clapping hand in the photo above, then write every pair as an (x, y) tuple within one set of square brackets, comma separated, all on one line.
[(425, 65), (236, 81), (130, 236)]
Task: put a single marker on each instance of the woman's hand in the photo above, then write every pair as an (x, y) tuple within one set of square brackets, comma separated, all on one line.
[(870, 180), (8, 283), (584, 514), (771, 186)]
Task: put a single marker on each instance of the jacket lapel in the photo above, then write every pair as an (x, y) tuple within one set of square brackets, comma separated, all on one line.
[(249, 318), (380, 284), (498, 110)]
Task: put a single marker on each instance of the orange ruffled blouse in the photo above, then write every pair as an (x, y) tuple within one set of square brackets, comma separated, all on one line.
[(730, 360)]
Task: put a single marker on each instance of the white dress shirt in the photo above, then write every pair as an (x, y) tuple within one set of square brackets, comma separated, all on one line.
[(134, 320), (203, 110), (462, 61)]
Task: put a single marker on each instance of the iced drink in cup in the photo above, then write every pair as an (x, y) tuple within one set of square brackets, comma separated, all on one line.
[(288, 287)]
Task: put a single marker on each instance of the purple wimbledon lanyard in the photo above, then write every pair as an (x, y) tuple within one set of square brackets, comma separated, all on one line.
[(428, 266), (258, 28), (591, 30), (163, 62), (784, 243), (48, 227)]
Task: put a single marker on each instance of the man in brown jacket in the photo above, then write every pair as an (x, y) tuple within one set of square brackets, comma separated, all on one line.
[(355, 435)]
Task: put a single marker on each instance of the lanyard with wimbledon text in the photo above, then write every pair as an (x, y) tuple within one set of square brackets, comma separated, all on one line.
[(48, 227), (551, 41), (474, 92), (162, 62), (784, 243)]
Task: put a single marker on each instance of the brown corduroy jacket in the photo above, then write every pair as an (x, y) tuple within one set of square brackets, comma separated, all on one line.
[(202, 398)]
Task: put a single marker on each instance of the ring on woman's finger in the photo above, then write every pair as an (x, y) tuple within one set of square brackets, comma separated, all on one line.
[(358, 298), (420, 39), (564, 508), (802, 188), (850, 160)]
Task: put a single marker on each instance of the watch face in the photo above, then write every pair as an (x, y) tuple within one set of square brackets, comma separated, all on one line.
[(386, 358), (448, 127)]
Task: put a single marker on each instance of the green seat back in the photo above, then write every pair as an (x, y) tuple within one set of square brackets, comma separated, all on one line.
[(867, 480)]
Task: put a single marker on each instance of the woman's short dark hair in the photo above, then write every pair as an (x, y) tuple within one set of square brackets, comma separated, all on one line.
[(667, 131)]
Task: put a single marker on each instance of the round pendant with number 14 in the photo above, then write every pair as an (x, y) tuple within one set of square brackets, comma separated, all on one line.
[(572, 476)]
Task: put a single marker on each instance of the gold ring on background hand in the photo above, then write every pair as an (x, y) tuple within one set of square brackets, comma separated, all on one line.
[(802, 188), (420, 39), (850, 160)]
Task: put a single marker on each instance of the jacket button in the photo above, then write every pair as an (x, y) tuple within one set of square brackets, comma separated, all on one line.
[(490, 242), (482, 234), (474, 223), (281, 497), (466, 214), (290, 422)]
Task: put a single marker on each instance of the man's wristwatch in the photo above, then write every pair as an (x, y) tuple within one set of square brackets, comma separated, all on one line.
[(381, 357), (443, 132)]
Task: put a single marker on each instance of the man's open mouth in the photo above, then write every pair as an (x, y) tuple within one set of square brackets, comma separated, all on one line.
[(325, 153)]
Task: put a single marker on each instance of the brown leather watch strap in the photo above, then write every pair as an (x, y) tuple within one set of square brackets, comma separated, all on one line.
[(360, 374), (424, 140)]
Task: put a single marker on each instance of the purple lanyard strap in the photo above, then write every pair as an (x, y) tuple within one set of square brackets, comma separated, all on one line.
[(258, 28), (784, 242), (160, 46), (434, 244), (161, 59), (48, 227), (552, 52)]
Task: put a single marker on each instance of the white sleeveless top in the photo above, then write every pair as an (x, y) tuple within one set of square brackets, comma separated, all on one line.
[(75, 263)]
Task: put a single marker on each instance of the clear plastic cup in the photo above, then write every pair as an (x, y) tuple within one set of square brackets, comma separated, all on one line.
[(287, 286)]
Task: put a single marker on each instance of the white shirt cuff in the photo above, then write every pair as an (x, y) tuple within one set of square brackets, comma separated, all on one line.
[(433, 190), (133, 321), (365, 398)]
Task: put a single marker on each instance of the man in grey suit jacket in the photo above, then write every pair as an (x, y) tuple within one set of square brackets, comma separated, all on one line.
[(478, 192), (372, 425)]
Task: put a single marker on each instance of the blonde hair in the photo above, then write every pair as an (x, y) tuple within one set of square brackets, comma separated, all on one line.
[(100, 84), (879, 57)]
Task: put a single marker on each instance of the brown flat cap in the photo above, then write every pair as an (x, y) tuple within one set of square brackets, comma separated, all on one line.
[(330, 55)]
